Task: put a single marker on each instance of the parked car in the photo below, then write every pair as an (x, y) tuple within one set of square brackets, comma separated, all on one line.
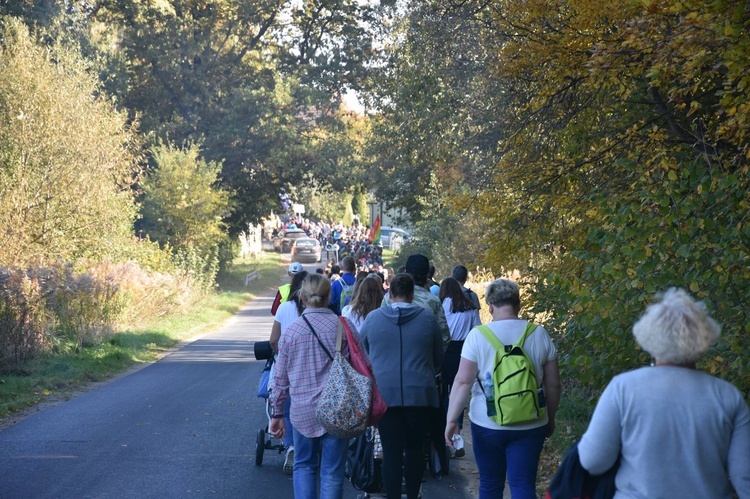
[(392, 237), (283, 242), (306, 249)]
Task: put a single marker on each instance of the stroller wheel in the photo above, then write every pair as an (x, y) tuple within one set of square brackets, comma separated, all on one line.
[(260, 446)]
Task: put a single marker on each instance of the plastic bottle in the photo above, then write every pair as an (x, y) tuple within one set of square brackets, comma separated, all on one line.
[(489, 394)]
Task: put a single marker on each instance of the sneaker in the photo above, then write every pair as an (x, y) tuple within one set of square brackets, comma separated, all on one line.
[(289, 460)]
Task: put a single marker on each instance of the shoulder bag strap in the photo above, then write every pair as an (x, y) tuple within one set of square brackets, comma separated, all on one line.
[(318, 338), (339, 335)]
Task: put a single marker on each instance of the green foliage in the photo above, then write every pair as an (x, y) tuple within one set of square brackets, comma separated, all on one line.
[(66, 156), (182, 205), (323, 202), (361, 208), (603, 145), (257, 84)]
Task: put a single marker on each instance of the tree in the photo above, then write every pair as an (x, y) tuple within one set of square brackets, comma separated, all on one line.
[(258, 84), (182, 205), (67, 158), (612, 150)]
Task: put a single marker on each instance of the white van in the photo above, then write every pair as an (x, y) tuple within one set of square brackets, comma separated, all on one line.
[(393, 238)]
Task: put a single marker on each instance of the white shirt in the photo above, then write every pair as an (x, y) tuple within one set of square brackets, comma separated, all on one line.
[(460, 323), (285, 315), (538, 347), (355, 318)]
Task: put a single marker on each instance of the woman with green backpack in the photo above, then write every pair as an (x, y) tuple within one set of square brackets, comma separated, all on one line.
[(509, 419)]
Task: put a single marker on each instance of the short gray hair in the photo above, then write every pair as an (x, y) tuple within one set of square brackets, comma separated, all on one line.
[(503, 292), (676, 328)]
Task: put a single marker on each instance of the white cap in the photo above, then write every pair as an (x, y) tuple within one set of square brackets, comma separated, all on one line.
[(295, 268)]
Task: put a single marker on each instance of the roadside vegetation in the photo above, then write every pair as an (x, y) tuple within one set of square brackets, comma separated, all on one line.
[(55, 373)]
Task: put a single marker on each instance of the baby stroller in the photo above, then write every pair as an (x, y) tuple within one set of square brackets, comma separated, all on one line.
[(438, 453), (264, 440)]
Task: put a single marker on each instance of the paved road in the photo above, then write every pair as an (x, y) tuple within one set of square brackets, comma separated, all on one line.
[(182, 427)]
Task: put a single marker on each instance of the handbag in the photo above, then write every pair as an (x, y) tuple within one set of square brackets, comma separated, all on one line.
[(377, 405), (344, 404), (362, 468)]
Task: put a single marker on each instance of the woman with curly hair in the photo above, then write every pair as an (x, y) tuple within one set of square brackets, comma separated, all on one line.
[(677, 431)]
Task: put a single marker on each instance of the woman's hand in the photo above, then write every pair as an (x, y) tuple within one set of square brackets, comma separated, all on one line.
[(450, 430), (277, 428)]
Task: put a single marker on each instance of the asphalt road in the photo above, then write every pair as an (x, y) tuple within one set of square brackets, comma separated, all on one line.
[(184, 426)]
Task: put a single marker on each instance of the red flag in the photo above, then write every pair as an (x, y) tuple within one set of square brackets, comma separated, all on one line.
[(375, 231)]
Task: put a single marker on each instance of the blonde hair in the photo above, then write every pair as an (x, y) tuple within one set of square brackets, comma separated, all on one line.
[(676, 328), (503, 292), (315, 290)]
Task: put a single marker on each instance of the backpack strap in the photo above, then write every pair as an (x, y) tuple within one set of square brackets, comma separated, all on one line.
[(530, 328), (338, 338), (498, 345), (490, 336)]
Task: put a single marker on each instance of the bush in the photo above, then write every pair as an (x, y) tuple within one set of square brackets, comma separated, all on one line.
[(65, 307), (23, 316), (67, 157), (84, 306)]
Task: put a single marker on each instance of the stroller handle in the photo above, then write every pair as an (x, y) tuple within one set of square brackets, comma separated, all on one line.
[(262, 350)]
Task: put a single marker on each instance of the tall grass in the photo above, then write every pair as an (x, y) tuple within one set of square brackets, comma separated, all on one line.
[(56, 372)]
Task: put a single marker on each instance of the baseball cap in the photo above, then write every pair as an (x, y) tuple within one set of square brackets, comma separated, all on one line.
[(417, 265), (295, 268)]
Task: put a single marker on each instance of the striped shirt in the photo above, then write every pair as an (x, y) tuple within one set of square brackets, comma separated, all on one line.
[(302, 367)]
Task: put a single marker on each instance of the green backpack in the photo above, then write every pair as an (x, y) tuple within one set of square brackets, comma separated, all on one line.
[(514, 396), (347, 290)]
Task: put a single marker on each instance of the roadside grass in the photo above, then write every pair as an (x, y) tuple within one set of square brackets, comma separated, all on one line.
[(56, 376), (576, 406), (389, 258)]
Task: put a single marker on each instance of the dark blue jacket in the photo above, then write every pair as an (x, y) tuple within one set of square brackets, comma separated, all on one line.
[(572, 481)]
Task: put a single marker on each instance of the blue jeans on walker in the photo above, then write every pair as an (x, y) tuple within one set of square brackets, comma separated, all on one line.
[(513, 451), (325, 454)]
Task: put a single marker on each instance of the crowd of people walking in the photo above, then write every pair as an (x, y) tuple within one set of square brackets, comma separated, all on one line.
[(662, 431)]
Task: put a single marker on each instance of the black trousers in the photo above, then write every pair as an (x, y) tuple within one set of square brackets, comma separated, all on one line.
[(403, 431)]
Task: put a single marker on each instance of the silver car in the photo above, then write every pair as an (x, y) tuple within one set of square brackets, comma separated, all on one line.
[(306, 249)]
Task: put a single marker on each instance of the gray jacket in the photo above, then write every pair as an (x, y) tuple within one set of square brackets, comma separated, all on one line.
[(406, 350)]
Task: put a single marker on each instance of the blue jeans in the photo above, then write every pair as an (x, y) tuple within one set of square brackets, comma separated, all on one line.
[(289, 435), (325, 453), (513, 451)]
